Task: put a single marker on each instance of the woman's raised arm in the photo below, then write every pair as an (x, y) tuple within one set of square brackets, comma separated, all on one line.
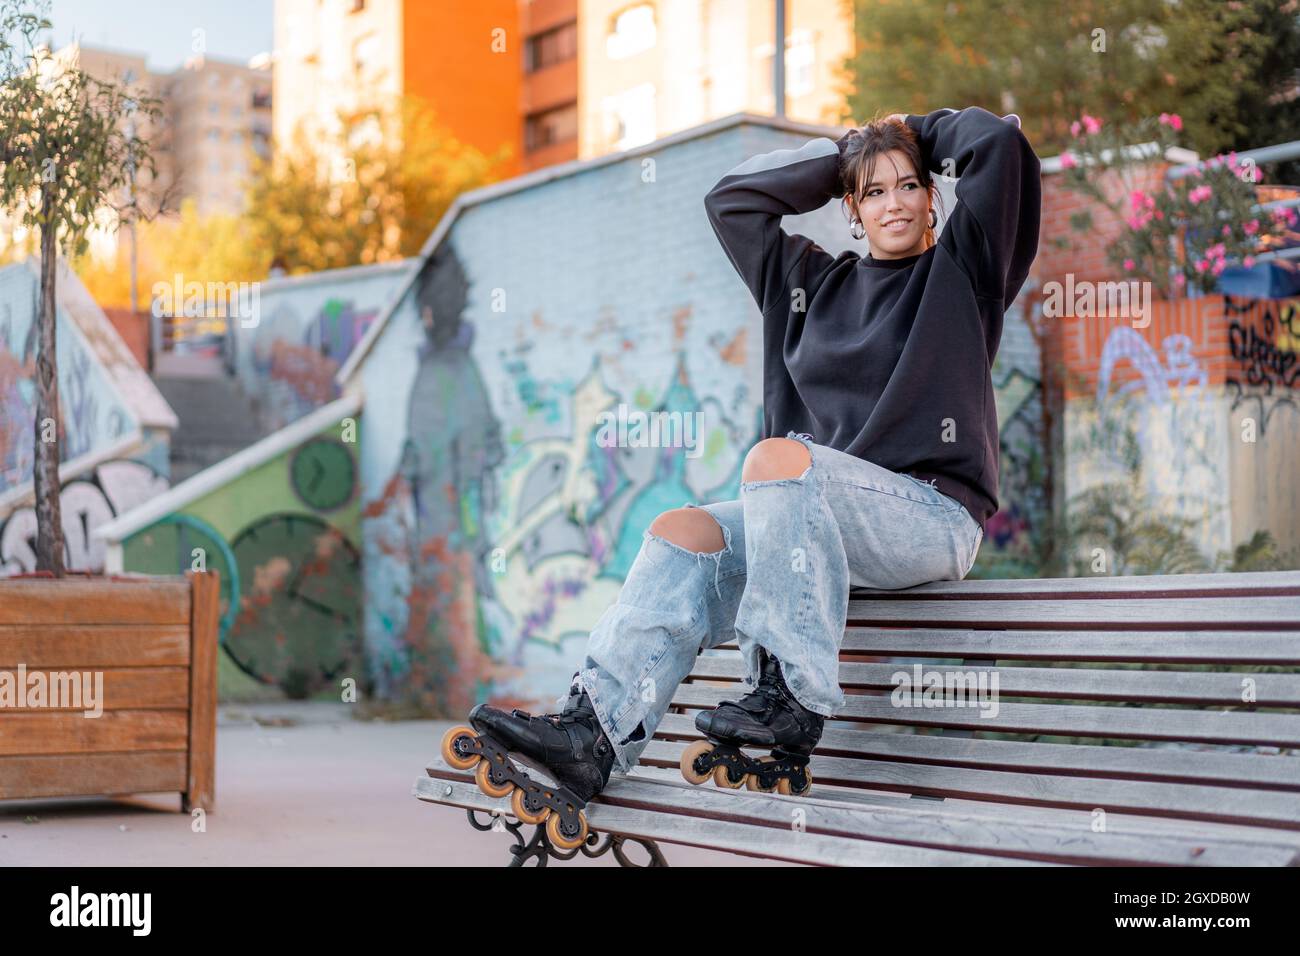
[(993, 231), (746, 206)]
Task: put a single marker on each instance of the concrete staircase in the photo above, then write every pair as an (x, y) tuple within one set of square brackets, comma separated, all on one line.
[(216, 418)]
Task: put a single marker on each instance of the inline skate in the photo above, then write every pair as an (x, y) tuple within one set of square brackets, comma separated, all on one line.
[(768, 716), (569, 747)]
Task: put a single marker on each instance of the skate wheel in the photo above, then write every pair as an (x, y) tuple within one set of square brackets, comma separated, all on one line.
[(449, 753), (722, 778), (786, 787), (689, 756), (484, 781), (559, 839), (751, 780), (521, 811)]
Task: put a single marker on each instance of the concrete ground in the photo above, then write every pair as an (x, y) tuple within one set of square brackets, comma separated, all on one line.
[(297, 785)]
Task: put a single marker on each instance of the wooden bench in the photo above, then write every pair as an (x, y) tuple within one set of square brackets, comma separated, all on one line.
[(906, 785), (154, 641)]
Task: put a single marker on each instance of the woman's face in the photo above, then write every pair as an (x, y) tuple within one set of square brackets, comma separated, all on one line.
[(895, 195)]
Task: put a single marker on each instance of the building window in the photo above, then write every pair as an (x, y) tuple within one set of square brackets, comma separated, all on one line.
[(800, 61), (365, 52), (630, 117), (549, 127), (631, 31), (550, 47)]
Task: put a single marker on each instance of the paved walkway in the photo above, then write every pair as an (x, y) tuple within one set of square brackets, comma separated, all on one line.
[(319, 790)]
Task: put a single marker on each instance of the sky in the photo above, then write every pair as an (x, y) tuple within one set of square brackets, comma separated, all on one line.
[(163, 30)]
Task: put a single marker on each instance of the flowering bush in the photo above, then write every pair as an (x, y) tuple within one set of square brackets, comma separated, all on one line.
[(1182, 232)]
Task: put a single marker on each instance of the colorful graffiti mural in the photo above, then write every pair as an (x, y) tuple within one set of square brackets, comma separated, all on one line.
[(92, 412), (113, 488), (308, 327), (1266, 357)]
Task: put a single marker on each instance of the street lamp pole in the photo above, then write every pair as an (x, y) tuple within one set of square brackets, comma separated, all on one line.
[(778, 60)]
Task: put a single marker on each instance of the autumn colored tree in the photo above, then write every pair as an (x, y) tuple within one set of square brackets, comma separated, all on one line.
[(372, 192)]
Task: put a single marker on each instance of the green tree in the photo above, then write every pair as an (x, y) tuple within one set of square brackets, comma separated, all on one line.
[(1225, 67), (65, 158)]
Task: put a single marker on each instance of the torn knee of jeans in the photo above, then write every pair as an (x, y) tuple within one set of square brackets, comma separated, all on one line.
[(638, 734), (751, 485)]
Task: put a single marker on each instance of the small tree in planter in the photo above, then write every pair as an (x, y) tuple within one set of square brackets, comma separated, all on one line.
[(65, 157), (1179, 234)]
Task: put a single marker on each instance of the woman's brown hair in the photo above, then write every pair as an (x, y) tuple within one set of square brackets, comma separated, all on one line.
[(874, 138)]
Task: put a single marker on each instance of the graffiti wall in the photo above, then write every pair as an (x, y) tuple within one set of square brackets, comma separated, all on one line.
[(285, 536), (307, 327), (93, 413), (496, 527), (1198, 413)]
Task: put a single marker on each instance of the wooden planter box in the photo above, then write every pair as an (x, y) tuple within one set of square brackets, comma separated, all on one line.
[(154, 640)]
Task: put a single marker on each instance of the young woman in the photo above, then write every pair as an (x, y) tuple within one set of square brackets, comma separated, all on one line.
[(876, 370)]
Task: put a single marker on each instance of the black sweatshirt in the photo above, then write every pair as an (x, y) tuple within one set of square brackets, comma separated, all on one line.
[(890, 359)]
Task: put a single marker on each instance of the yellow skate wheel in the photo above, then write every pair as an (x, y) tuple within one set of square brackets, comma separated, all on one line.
[(689, 756), (449, 748), (722, 778), (523, 814), (558, 839), (784, 786), (485, 782), (751, 780)]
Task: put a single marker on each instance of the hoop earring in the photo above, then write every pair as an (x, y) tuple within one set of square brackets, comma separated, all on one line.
[(934, 218), (856, 229)]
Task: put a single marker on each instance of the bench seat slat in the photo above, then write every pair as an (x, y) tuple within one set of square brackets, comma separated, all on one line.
[(1068, 720), (745, 839), (1182, 647), (1124, 763), (1255, 613), (1197, 688), (1237, 584)]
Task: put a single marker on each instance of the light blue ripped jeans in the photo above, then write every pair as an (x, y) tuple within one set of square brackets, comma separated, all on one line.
[(792, 549)]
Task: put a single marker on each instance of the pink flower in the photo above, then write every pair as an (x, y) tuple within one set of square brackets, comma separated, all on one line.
[(1091, 123), (1217, 267), (1180, 280), (1074, 129), (1248, 261), (1199, 194), (1215, 251), (1068, 161), (1159, 214), (1251, 227), (1128, 265), (1227, 230), (1172, 120), (1201, 265)]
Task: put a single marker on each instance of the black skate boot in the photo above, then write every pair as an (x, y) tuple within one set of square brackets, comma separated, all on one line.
[(569, 747), (768, 716)]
